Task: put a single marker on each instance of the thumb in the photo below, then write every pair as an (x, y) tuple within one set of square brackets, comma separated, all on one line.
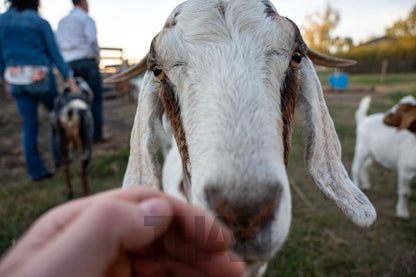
[(104, 231), (155, 216)]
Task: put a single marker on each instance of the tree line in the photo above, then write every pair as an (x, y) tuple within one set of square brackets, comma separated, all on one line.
[(397, 46)]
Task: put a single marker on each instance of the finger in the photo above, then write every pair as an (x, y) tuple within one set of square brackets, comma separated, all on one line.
[(54, 221), (105, 231), (191, 221), (222, 264), (184, 251), (163, 266)]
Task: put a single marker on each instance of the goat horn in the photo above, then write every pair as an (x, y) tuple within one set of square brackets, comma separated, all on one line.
[(130, 73), (323, 60)]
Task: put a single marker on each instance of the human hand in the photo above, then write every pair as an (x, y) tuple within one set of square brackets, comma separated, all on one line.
[(73, 87), (7, 91), (132, 232)]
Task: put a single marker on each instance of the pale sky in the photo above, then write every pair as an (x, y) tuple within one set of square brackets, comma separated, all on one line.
[(131, 24)]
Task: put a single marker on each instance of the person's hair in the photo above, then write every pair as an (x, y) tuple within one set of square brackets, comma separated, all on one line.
[(77, 2), (22, 5)]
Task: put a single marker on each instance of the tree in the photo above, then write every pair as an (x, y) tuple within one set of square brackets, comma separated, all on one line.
[(404, 28), (317, 32), (341, 45)]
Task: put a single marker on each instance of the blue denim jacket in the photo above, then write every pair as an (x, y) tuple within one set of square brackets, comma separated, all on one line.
[(27, 39)]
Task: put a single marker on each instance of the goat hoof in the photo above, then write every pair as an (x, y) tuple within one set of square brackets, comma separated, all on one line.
[(403, 216)]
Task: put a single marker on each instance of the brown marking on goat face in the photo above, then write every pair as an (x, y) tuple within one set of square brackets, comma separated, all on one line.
[(173, 110), (289, 97), (70, 123), (171, 105), (403, 118), (289, 93)]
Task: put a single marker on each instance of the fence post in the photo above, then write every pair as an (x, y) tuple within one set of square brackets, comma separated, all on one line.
[(384, 68)]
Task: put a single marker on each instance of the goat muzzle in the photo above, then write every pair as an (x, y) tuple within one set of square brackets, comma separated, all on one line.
[(247, 216)]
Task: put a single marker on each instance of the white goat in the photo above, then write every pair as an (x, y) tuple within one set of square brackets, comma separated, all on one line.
[(392, 148), (229, 74)]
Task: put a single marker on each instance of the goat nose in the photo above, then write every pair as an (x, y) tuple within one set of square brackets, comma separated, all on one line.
[(246, 213)]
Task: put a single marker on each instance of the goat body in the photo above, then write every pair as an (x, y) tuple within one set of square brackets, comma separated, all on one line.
[(72, 126), (392, 148), (229, 75)]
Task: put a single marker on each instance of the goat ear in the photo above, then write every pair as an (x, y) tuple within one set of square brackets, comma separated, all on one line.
[(392, 119), (407, 120), (323, 156), (143, 167)]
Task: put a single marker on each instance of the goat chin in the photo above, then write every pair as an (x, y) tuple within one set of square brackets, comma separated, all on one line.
[(228, 75)]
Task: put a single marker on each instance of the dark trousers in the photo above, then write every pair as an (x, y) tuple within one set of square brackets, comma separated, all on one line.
[(88, 69), (27, 99)]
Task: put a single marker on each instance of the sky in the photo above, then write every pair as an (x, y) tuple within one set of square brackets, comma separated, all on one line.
[(131, 24)]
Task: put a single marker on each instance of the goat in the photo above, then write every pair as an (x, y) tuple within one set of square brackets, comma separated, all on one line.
[(229, 75), (72, 129), (394, 149)]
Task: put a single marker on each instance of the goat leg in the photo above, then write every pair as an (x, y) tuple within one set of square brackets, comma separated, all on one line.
[(70, 193), (84, 177)]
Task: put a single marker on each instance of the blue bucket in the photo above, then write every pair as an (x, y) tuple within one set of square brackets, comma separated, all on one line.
[(338, 81)]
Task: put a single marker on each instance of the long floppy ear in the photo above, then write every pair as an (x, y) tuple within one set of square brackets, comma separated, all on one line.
[(392, 119), (408, 120), (143, 167), (323, 154)]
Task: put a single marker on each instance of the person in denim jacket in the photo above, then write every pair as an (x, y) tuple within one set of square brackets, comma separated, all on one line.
[(27, 52)]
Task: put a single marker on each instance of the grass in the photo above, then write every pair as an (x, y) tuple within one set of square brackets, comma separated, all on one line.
[(322, 242), (21, 204), (404, 83)]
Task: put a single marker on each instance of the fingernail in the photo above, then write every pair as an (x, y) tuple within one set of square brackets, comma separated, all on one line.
[(155, 207)]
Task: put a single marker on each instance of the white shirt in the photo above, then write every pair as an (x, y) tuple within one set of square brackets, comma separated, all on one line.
[(77, 36)]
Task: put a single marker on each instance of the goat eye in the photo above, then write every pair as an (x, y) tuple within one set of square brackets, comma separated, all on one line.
[(159, 73), (296, 59)]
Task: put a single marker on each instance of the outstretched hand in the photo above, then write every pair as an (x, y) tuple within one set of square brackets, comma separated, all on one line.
[(132, 232), (73, 85)]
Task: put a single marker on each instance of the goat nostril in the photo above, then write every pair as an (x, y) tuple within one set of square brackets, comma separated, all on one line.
[(245, 215)]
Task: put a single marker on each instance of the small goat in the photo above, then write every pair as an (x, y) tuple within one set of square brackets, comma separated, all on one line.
[(392, 148), (229, 75), (72, 127)]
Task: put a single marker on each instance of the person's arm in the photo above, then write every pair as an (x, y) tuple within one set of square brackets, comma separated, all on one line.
[(2, 65), (90, 33), (2, 68), (6, 90), (56, 57), (124, 232)]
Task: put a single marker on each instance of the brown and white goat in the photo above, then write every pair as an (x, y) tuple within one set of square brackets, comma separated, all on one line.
[(72, 128), (229, 75), (393, 148)]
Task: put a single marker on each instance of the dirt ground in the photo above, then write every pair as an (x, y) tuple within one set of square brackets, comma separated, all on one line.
[(118, 119)]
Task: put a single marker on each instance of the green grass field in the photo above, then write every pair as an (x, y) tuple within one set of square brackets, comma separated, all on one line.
[(322, 242)]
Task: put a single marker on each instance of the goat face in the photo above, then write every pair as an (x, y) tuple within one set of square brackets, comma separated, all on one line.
[(229, 75)]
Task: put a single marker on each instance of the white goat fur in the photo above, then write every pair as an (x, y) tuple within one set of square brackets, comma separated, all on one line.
[(226, 62), (389, 147)]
